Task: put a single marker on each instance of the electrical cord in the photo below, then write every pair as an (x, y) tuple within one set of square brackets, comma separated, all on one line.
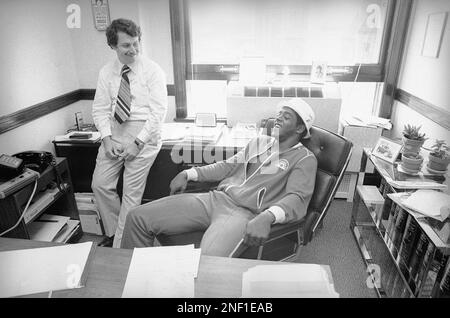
[(24, 211)]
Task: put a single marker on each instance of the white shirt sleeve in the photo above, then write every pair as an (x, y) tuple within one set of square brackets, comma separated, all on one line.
[(101, 107), (151, 132), (192, 174), (279, 214)]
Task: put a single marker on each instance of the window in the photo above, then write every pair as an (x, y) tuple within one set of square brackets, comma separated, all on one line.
[(349, 35)]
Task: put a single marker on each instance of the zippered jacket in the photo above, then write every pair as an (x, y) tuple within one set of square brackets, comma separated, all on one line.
[(280, 181)]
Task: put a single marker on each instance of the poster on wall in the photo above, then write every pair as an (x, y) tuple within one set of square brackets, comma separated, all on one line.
[(100, 11)]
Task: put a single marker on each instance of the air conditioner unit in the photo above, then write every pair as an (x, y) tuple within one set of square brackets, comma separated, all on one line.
[(251, 103)]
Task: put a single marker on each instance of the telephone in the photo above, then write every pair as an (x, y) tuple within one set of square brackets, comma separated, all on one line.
[(36, 160), (10, 166)]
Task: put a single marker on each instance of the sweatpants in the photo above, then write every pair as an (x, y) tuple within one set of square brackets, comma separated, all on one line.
[(224, 222), (106, 174)]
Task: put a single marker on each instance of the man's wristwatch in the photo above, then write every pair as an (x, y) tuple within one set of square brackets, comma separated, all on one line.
[(139, 144)]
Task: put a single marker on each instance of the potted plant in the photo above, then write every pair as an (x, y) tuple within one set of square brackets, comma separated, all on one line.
[(439, 157), (412, 139), (412, 162)]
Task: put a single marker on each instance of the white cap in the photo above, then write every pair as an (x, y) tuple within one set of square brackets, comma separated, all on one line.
[(302, 109)]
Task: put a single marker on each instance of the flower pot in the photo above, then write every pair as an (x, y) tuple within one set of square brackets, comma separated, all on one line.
[(412, 162), (411, 145), (438, 164)]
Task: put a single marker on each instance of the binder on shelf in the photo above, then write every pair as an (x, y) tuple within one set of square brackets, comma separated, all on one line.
[(417, 258), (398, 231), (412, 233)]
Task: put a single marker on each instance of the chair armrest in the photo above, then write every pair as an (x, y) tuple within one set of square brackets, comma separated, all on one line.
[(310, 220)]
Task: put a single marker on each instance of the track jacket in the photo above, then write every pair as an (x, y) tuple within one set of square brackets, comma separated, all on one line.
[(282, 182)]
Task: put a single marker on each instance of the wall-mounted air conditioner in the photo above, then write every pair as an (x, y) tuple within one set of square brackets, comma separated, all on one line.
[(251, 103)]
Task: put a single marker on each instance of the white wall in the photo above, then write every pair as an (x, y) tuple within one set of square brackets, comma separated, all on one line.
[(36, 57), (41, 59), (424, 77), (38, 134)]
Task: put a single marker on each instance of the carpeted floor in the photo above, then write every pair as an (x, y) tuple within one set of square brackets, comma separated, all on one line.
[(334, 245)]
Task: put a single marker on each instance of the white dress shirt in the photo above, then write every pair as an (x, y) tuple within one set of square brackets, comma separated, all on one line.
[(148, 97)]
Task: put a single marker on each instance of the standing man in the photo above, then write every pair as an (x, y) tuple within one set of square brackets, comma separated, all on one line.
[(129, 107)]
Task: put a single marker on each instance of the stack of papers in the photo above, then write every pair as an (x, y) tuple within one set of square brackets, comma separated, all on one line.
[(204, 134), (430, 203), (94, 136), (174, 131), (244, 131), (287, 281), (369, 121), (52, 228), (162, 272), (30, 271)]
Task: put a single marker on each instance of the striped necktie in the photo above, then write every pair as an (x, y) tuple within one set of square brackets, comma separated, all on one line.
[(124, 97)]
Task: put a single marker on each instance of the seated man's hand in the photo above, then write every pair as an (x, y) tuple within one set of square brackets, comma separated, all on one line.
[(258, 229), (179, 183)]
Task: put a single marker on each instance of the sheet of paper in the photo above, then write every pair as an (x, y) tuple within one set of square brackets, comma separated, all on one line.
[(174, 131), (30, 271), (431, 203), (167, 271), (47, 227), (287, 281)]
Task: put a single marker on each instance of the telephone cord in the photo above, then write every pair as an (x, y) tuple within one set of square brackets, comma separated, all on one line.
[(24, 211)]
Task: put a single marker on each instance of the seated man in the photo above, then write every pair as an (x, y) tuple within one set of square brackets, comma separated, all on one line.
[(270, 181)]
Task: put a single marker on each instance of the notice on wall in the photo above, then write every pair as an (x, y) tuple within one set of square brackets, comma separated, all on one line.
[(100, 11)]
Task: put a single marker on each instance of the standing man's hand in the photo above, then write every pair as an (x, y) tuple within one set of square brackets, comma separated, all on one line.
[(112, 150), (258, 229), (179, 183), (132, 150)]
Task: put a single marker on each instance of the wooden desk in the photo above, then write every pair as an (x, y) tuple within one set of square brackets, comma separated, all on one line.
[(218, 277), (81, 159)]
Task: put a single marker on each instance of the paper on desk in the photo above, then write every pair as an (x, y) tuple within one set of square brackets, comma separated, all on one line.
[(47, 227), (162, 272), (287, 281), (430, 203), (174, 131), (95, 136), (30, 271)]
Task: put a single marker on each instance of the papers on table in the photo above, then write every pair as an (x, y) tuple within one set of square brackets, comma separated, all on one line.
[(46, 227), (190, 132), (369, 121), (162, 272), (430, 203), (174, 131), (93, 136), (244, 131), (30, 271), (52, 228), (204, 134), (287, 281)]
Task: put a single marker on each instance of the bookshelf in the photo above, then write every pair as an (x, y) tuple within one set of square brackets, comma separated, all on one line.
[(49, 198), (411, 259)]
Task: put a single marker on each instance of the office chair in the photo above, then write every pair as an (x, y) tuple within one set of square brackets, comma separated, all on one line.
[(333, 155)]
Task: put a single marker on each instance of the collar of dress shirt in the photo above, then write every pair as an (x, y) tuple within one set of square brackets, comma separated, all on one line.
[(133, 66)]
